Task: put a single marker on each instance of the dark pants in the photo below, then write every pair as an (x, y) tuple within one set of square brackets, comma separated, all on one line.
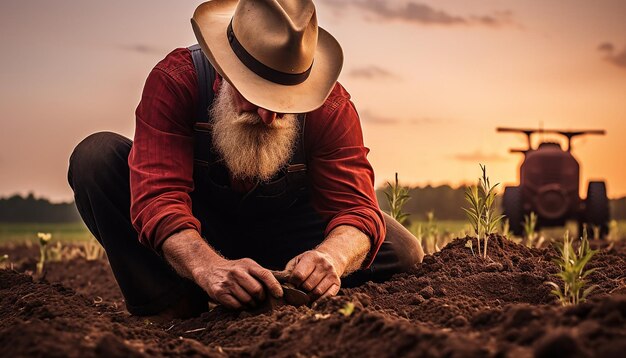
[(99, 175)]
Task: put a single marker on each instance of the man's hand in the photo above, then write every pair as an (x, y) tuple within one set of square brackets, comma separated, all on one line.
[(319, 271), (315, 272), (236, 283), (233, 283)]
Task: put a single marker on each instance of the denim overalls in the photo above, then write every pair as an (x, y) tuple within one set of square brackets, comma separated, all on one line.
[(272, 222)]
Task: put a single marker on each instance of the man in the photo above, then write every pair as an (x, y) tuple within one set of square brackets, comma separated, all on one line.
[(274, 177)]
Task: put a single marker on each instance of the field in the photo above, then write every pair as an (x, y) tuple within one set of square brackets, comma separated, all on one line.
[(454, 304), (23, 232)]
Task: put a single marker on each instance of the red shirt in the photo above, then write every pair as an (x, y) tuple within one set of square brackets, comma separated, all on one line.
[(161, 160)]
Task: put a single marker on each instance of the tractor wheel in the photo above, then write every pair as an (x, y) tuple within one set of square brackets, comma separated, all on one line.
[(597, 208), (512, 208)]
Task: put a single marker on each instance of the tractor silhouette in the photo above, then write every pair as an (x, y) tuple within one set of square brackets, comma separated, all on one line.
[(549, 186)]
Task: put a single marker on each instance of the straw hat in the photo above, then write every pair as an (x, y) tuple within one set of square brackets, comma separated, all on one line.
[(271, 51)]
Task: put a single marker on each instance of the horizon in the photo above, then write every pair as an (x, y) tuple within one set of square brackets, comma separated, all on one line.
[(431, 83)]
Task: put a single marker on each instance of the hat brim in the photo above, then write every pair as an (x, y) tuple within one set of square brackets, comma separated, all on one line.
[(210, 22)]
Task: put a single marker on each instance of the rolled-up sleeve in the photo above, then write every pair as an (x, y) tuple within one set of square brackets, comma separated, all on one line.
[(161, 159), (342, 179)]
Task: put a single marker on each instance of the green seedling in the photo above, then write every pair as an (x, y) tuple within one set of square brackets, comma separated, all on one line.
[(572, 265), (481, 213), (470, 246), (432, 233), (44, 239), (4, 260), (596, 231), (506, 229), (613, 235), (347, 310), (530, 225), (397, 197), (93, 250), (55, 253)]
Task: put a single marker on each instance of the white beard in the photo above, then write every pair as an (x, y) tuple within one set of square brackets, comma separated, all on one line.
[(251, 149)]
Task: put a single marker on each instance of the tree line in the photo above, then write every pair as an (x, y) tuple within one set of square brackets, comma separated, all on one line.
[(29, 209), (446, 202)]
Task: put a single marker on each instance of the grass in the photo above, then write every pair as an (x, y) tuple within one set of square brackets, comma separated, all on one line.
[(22, 232)]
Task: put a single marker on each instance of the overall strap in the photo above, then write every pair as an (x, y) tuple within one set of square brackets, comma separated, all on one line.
[(296, 171), (206, 77)]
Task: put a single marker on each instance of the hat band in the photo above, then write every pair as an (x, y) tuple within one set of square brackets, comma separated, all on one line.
[(268, 73)]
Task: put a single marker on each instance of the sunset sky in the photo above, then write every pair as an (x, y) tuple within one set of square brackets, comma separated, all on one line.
[(431, 79)]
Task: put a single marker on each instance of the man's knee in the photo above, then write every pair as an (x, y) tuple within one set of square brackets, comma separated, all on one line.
[(407, 247), (95, 156)]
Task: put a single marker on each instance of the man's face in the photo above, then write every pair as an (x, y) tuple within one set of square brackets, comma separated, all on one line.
[(255, 143), (242, 105)]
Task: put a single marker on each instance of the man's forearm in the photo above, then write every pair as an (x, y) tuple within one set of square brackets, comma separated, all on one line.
[(348, 246), (187, 252)]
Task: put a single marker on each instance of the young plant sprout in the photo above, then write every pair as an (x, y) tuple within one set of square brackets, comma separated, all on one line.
[(397, 197), (347, 310), (596, 231), (432, 233), (506, 229), (530, 224), (572, 264), (613, 231), (481, 213), (470, 246), (44, 239), (93, 250)]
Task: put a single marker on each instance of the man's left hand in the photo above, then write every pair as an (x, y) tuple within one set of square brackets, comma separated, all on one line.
[(315, 272)]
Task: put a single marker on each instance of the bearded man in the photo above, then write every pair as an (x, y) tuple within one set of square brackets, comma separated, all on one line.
[(249, 162)]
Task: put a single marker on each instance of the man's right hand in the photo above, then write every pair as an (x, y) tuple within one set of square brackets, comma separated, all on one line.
[(237, 283), (233, 283)]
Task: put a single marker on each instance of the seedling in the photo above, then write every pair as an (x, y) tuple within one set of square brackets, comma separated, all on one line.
[(506, 229), (419, 234), (530, 224), (44, 239), (613, 235), (470, 246), (93, 250), (481, 212), (596, 231), (397, 197), (572, 264), (347, 310), (432, 233)]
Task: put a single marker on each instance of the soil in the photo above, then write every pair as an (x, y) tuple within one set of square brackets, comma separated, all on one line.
[(453, 304)]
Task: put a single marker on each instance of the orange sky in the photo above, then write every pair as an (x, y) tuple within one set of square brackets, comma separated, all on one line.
[(431, 80)]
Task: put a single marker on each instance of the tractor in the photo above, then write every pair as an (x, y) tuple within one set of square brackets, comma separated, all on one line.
[(549, 187)]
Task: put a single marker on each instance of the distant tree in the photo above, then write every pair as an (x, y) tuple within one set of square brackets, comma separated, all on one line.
[(31, 209)]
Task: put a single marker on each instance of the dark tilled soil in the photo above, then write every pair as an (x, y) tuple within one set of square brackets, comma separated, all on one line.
[(454, 304)]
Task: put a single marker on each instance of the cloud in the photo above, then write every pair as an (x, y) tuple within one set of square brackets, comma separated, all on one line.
[(426, 120), (143, 49), (371, 72), (419, 13), (478, 157), (369, 117), (612, 55)]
